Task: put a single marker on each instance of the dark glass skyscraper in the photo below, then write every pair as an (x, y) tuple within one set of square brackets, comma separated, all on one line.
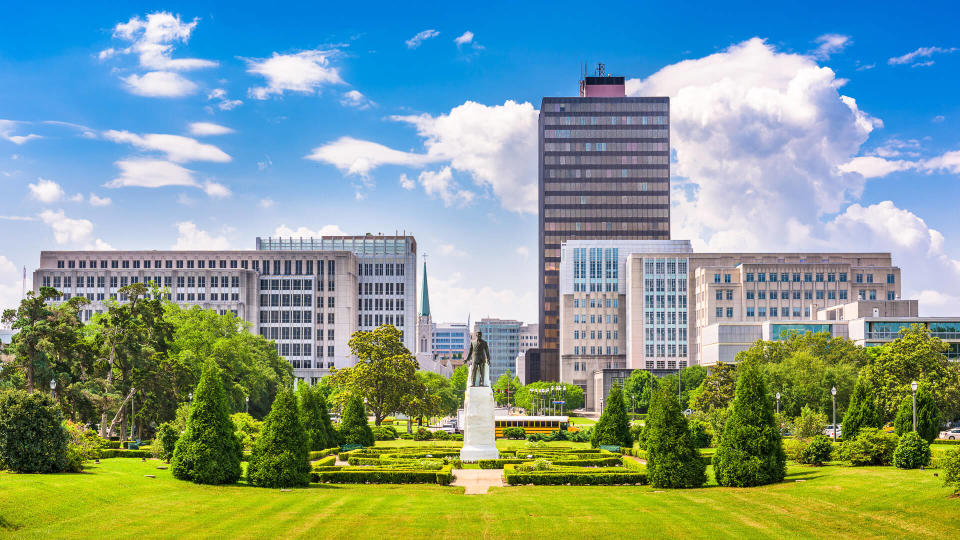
[(604, 174)]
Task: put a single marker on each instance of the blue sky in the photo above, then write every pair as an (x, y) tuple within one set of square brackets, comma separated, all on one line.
[(833, 127)]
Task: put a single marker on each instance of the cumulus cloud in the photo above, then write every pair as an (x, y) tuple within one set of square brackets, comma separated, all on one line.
[(359, 157), (464, 38), (190, 237), (160, 84), (922, 52), (8, 127), (441, 184), (216, 190), (219, 95), (266, 203), (829, 44), (416, 40), (450, 297), (306, 232), (46, 191), (876, 166), (10, 284), (406, 182), (99, 201), (451, 250), (177, 148), (354, 98), (151, 173), (305, 72), (202, 129), (74, 232)]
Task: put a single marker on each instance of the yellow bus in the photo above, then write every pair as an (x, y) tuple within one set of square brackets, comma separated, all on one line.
[(533, 424)]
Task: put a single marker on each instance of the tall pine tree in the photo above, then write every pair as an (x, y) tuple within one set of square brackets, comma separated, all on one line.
[(928, 415), (613, 428), (279, 458), (751, 449), (312, 412), (208, 451), (354, 428), (862, 412), (673, 460)]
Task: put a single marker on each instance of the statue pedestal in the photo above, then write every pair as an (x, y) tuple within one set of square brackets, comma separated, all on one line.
[(479, 435)]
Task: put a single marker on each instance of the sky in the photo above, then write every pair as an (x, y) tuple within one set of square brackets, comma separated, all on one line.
[(195, 125)]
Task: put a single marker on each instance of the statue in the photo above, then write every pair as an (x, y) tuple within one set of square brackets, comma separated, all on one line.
[(479, 359)]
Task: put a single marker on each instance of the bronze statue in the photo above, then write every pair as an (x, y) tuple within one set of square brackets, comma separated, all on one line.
[(478, 359)]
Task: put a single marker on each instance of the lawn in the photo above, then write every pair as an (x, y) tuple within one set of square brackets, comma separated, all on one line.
[(115, 499)]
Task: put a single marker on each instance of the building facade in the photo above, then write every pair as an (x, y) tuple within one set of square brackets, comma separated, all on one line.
[(451, 341), (503, 340), (604, 173)]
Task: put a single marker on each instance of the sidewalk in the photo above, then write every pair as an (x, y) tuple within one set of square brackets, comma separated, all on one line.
[(477, 481)]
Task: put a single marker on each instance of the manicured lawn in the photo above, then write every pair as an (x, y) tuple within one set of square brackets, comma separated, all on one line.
[(114, 499)]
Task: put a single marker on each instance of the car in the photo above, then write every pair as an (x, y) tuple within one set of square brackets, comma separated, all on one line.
[(952, 434), (888, 427), (828, 431)]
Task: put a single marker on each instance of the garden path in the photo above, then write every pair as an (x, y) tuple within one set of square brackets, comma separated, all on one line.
[(477, 481)]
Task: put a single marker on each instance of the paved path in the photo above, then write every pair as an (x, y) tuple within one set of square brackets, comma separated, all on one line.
[(477, 481)]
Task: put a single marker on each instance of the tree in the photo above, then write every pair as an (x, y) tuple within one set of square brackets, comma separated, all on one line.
[(613, 428), (810, 423), (385, 373), (673, 460), (279, 458), (208, 451), (312, 411), (570, 394), (165, 441), (444, 397), (717, 389), (247, 427), (928, 415), (862, 411), (638, 390), (458, 381), (912, 452), (32, 437), (354, 428), (750, 452), (505, 389)]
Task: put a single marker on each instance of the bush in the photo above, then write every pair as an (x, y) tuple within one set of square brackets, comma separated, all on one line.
[(32, 437), (315, 418), (871, 447), (951, 470), (793, 448), (124, 453), (701, 433), (378, 475), (320, 454), (928, 415), (817, 451), (809, 423), (912, 452), (862, 411), (247, 429), (83, 445), (515, 433), (613, 428), (441, 435), (328, 461), (354, 428), (422, 434), (279, 457), (673, 460), (208, 451), (165, 441), (575, 477), (750, 452), (584, 435), (384, 433)]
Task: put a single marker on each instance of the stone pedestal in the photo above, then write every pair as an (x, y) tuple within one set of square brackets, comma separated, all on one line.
[(479, 435)]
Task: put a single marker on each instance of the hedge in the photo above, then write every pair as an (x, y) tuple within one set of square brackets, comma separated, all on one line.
[(613, 461), (124, 453), (642, 454), (574, 477), (946, 441), (320, 454), (355, 461), (367, 475), (499, 463), (326, 462)]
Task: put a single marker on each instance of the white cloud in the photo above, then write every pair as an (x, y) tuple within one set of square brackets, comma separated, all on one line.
[(922, 52), (266, 203), (451, 298), (202, 129), (304, 232), (522, 251), (303, 72), (10, 284), (451, 250), (177, 148), (355, 156), (416, 40), (354, 98), (938, 118), (99, 201), (77, 198), (406, 182), (76, 232), (7, 127), (441, 184), (160, 84), (18, 218), (216, 190), (153, 40), (876, 167), (151, 173), (185, 199), (223, 102), (189, 237), (829, 44), (464, 38), (46, 191)]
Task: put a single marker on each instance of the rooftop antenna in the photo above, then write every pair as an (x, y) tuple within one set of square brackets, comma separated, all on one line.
[(23, 285), (601, 70)]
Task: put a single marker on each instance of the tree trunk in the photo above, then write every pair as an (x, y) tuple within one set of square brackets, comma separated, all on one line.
[(120, 412)]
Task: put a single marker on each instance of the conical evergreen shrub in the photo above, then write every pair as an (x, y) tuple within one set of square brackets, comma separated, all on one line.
[(928, 415), (354, 428), (208, 451), (862, 411), (613, 428), (312, 412), (750, 452), (673, 460), (279, 457)]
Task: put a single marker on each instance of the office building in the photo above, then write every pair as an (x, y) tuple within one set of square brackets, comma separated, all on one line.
[(503, 340), (604, 174), (451, 341)]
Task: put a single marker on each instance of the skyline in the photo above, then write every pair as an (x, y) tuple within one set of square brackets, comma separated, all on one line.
[(801, 138)]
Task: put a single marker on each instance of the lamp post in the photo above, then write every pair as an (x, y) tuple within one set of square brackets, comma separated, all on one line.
[(190, 397), (833, 397), (247, 399), (778, 402), (53, 386), (913, 387)]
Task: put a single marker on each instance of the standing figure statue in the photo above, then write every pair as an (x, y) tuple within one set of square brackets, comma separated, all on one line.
[(479, 360)]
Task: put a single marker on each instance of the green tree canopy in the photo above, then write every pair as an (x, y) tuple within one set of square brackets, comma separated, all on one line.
[(673, 460), (315, 419), (928, 415), (32, 436), (354, 428), (505, 389), (717, 389), (570, 394), (279, 458), (862, 411), (638, 389), (613, 428), (458, 381)]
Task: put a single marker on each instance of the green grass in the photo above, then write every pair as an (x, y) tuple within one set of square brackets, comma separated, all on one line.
[(115, 499)]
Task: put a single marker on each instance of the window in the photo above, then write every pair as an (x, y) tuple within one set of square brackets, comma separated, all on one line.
[(891, 295), (763, 312), (795, 277), (831, 277), (891, 279), (750, 295), (729, 294), (761, 277), (761, 295), (808, 277), (726, 278), (719, 312), (749, 312), (729, 312), (749, 277), (819, 295), (873, 294), (808, 295), (716, 278), (719, 294), (869, 278), (843, 277), (859, 278)]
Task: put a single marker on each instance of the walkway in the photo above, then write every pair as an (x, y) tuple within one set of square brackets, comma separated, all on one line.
[(477, 481)]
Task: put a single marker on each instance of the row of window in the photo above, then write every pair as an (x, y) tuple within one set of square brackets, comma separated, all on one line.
[(378, 319), (660, 172), (611, 106), (380, 269), (286, 316), (290, 332), (665, 334), (380, 304), (665, 266), (606, 147), (610, 214), (665, 350), (668, 301), (605, 120), (297, 267), (381, 288), (596, 334), (665, 317), (808, 277), (666, 285), (795, 295), (636, 132), (593, 350), (595, 319), (607, 159), (286, 300), (551, 186), (596, 302)]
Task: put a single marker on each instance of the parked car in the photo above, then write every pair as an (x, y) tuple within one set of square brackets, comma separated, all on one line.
[(952, 434), (828, 431), (888, 427)]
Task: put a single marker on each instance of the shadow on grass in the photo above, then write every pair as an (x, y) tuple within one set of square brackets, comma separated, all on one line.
[(812, 473), (8, 525)]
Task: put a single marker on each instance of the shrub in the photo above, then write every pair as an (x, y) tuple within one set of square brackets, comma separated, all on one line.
[(422, 434), (208, 451), (912, 452), (750, 452), (315, 418), (247, 429), (584, 435), (793, 448), (573, 476), (32, 437), (701, 433), (320, 454), (862, 411), (515, 433), (870, 447), (378, 475), (817, 451), (809, 423), (384, 433), (537, 465), (165, 441), (613, 428), (279, 457), (673, 460), (326, 462), (83, 445), (950, 463), (928, 415), (354, 428), (441, 435), (124, 453)]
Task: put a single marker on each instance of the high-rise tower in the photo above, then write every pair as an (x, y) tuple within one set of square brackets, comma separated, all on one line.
[(604, 174)]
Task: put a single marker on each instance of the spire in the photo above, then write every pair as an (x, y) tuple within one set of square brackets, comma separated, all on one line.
[(425, 295)]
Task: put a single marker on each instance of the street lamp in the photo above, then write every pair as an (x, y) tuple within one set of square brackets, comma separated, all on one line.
[(247, 399), (190, 397), (778, 402), (833, 397), (53, 386), (913, 387)]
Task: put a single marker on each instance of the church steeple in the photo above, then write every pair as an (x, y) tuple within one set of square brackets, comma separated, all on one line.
[(424, 295)]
